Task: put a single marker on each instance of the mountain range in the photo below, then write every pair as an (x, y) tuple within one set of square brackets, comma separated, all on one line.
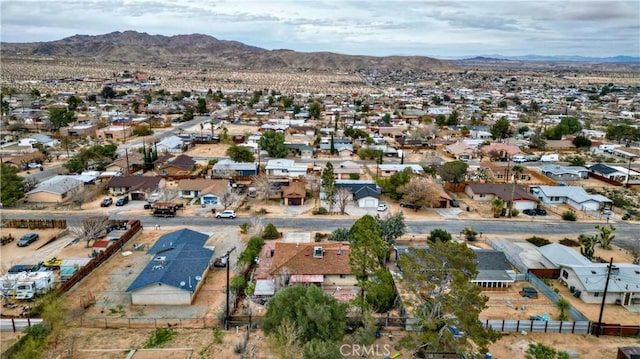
[(132, 46), (604, 60)]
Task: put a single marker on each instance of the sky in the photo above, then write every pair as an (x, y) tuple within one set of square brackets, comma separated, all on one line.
[(445, 29)]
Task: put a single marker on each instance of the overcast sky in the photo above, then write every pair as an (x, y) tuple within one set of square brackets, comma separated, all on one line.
[(380, 28)]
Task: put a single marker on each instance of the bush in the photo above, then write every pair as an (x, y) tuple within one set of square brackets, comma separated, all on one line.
[(320, 211), (538, 241), (569, 216), (244, 227), (569, 242), (252, 251), (238, 348), (238, 283), (270, 232), (159, 337), (320, 236), (261, 212), (514, 213), (470, 234), (440, 234)]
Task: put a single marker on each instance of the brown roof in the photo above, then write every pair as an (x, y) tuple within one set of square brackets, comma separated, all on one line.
[(294, 190), (182, 161), (134, 183), (297, 258), (204, 186), (502, 190)]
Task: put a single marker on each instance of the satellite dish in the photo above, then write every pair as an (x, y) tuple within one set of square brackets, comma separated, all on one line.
[(198, 277), (182, 283)]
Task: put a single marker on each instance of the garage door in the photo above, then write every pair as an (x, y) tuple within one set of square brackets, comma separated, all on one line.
[(370, 203)]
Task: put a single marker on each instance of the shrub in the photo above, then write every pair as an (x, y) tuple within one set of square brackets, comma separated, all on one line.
[(270, 232), (159, 337), (261, 212), (320, 211), (514, 213), (569, 216), (569, 242), (470, 234), (538, 241), (218, 334), (238, 283), (320, 236), (238, 348), (244, 227), (252, 251), (440, 234)]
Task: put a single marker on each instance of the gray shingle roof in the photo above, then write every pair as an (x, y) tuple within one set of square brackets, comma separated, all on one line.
[(58, 185)]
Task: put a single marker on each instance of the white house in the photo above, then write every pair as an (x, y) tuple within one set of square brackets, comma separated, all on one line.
[(387, 170), (574, 196), (171, 144), (285, 168), (587, 282)]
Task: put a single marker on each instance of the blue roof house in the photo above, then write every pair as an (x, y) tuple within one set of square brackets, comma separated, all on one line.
[(176, 271)]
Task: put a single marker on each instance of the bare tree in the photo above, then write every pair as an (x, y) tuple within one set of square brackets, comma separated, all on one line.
[(77, 196), (343, 197), (313, 182), (263, 187), (29, 184), (92, 228), (257, 227), (421, 191), (228, 199)]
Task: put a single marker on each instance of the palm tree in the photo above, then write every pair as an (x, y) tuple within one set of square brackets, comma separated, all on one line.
[(563, 305), (517, 170), (497, 205)]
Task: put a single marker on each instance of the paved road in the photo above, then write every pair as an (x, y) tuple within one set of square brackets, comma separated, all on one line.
[(627, 233)]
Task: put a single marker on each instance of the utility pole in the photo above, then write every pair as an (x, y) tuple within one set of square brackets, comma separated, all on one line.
[(226, 315), (126, 153), (604, 296)]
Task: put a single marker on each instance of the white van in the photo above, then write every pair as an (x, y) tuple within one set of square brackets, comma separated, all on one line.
[(552, 157), (519, 158)]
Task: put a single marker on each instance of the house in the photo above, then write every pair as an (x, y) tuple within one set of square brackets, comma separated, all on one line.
[(173, 276), (228, 168), (366, 193), (588, 282), (208, 190), (294, 194), (171, 144), (347, 170), (54, 190), (136, 187), (388, 170), (41, 138), (134, 161), (574, 196), (460, 151), (494, 270), (507, 192), (564, 173), (114, 132), (556, 255), (501, 150), (498, 172), (615, 173), (323, 264), (24, 159), (303, 151), (285, 168), (79, 130), (181, 165)]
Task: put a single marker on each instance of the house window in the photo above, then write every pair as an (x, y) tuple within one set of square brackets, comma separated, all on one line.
[(596, 294), (342, 276), (483, 195), (500, 176), (565, 274), (523, 177), (186, 193)]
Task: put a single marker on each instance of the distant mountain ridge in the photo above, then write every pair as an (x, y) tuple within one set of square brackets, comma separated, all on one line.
[(132, 46), (614, 59)]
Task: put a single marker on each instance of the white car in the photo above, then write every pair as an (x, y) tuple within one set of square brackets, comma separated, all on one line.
[(226, 214), (382, 207)]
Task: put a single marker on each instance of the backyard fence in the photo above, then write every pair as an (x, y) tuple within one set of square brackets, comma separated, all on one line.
[(554, 297), (147, 323), (17, 324), (35, 223), (617, 330), (539, 326)]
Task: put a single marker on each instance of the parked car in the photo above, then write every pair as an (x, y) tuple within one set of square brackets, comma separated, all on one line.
[(106, 202), (122, 201), (226, 214), (408, 205), (529, 212), (454, 203), (529, 292), (541, 212), (53, 263), (27, 239), (382, 207)]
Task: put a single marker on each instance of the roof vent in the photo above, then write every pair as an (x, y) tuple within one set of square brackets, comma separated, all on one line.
[(317, 252), (160, 258)]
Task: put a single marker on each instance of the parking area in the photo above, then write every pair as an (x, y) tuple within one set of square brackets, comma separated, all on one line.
[(510, 304)]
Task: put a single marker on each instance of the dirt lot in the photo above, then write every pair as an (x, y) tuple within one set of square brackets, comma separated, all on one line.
[(11, 254)]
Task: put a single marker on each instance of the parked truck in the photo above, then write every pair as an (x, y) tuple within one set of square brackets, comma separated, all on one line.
[(26, 285)]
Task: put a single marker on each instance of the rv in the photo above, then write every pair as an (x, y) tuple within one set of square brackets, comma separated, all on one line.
[(26, 285), (553, 157)]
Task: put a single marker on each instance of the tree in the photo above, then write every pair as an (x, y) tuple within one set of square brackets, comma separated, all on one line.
[(563, 305), (12, 186), (623, 133), (77, 196), (91, 229), (577, 161), (273, 142), (108, 92), (380, 291), (368, 251), (523, 129), (270, 232), (240, 154), (502, 104), (572, 124), (606, 236), (228, 199), (581, 142), (517, 171), (343, 197), (339, 235), (420, 191), (60, 117), (201, 107), (392, 227), (390, 185), (188, 114), (501, 129), (440, 279), (453, 172), (537, 140), (541, 351), (588, 245), (263, 187), (497, 205), (320, 319), (439, 234), (313, 183), (285, 340), (314, 110), (329, 185), (454, 119)]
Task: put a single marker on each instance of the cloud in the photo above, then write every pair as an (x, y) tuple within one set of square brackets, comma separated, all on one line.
[(382, 27)]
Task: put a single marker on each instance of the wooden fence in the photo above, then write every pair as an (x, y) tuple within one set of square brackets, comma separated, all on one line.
[(134, 227), (550, 273), (35, 223), (539, 326), (605, 179), (617, 330)]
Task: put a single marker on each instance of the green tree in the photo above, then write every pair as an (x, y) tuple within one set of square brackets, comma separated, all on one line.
[(73, 102), (572, 124), (98, 156), (12, 186), (201, 107), (188, 114), (537, 140), (501, 129), (563, 305), (270, 232), (577, 161), (319, 319), (623, 133), (523, 129), (517, 171), (497, 205), (502, 104), (60, 117), (273, 142), (453, 172), (606, 236), (391, 185), (439, 234), (108, 92), (254, 246), (339, 235), (240, 154), (329, 185), (392, 227), (142, 130), (314, 110), (380, 293), (453, 119), (581, 142), (368, 252), (440, 278)]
